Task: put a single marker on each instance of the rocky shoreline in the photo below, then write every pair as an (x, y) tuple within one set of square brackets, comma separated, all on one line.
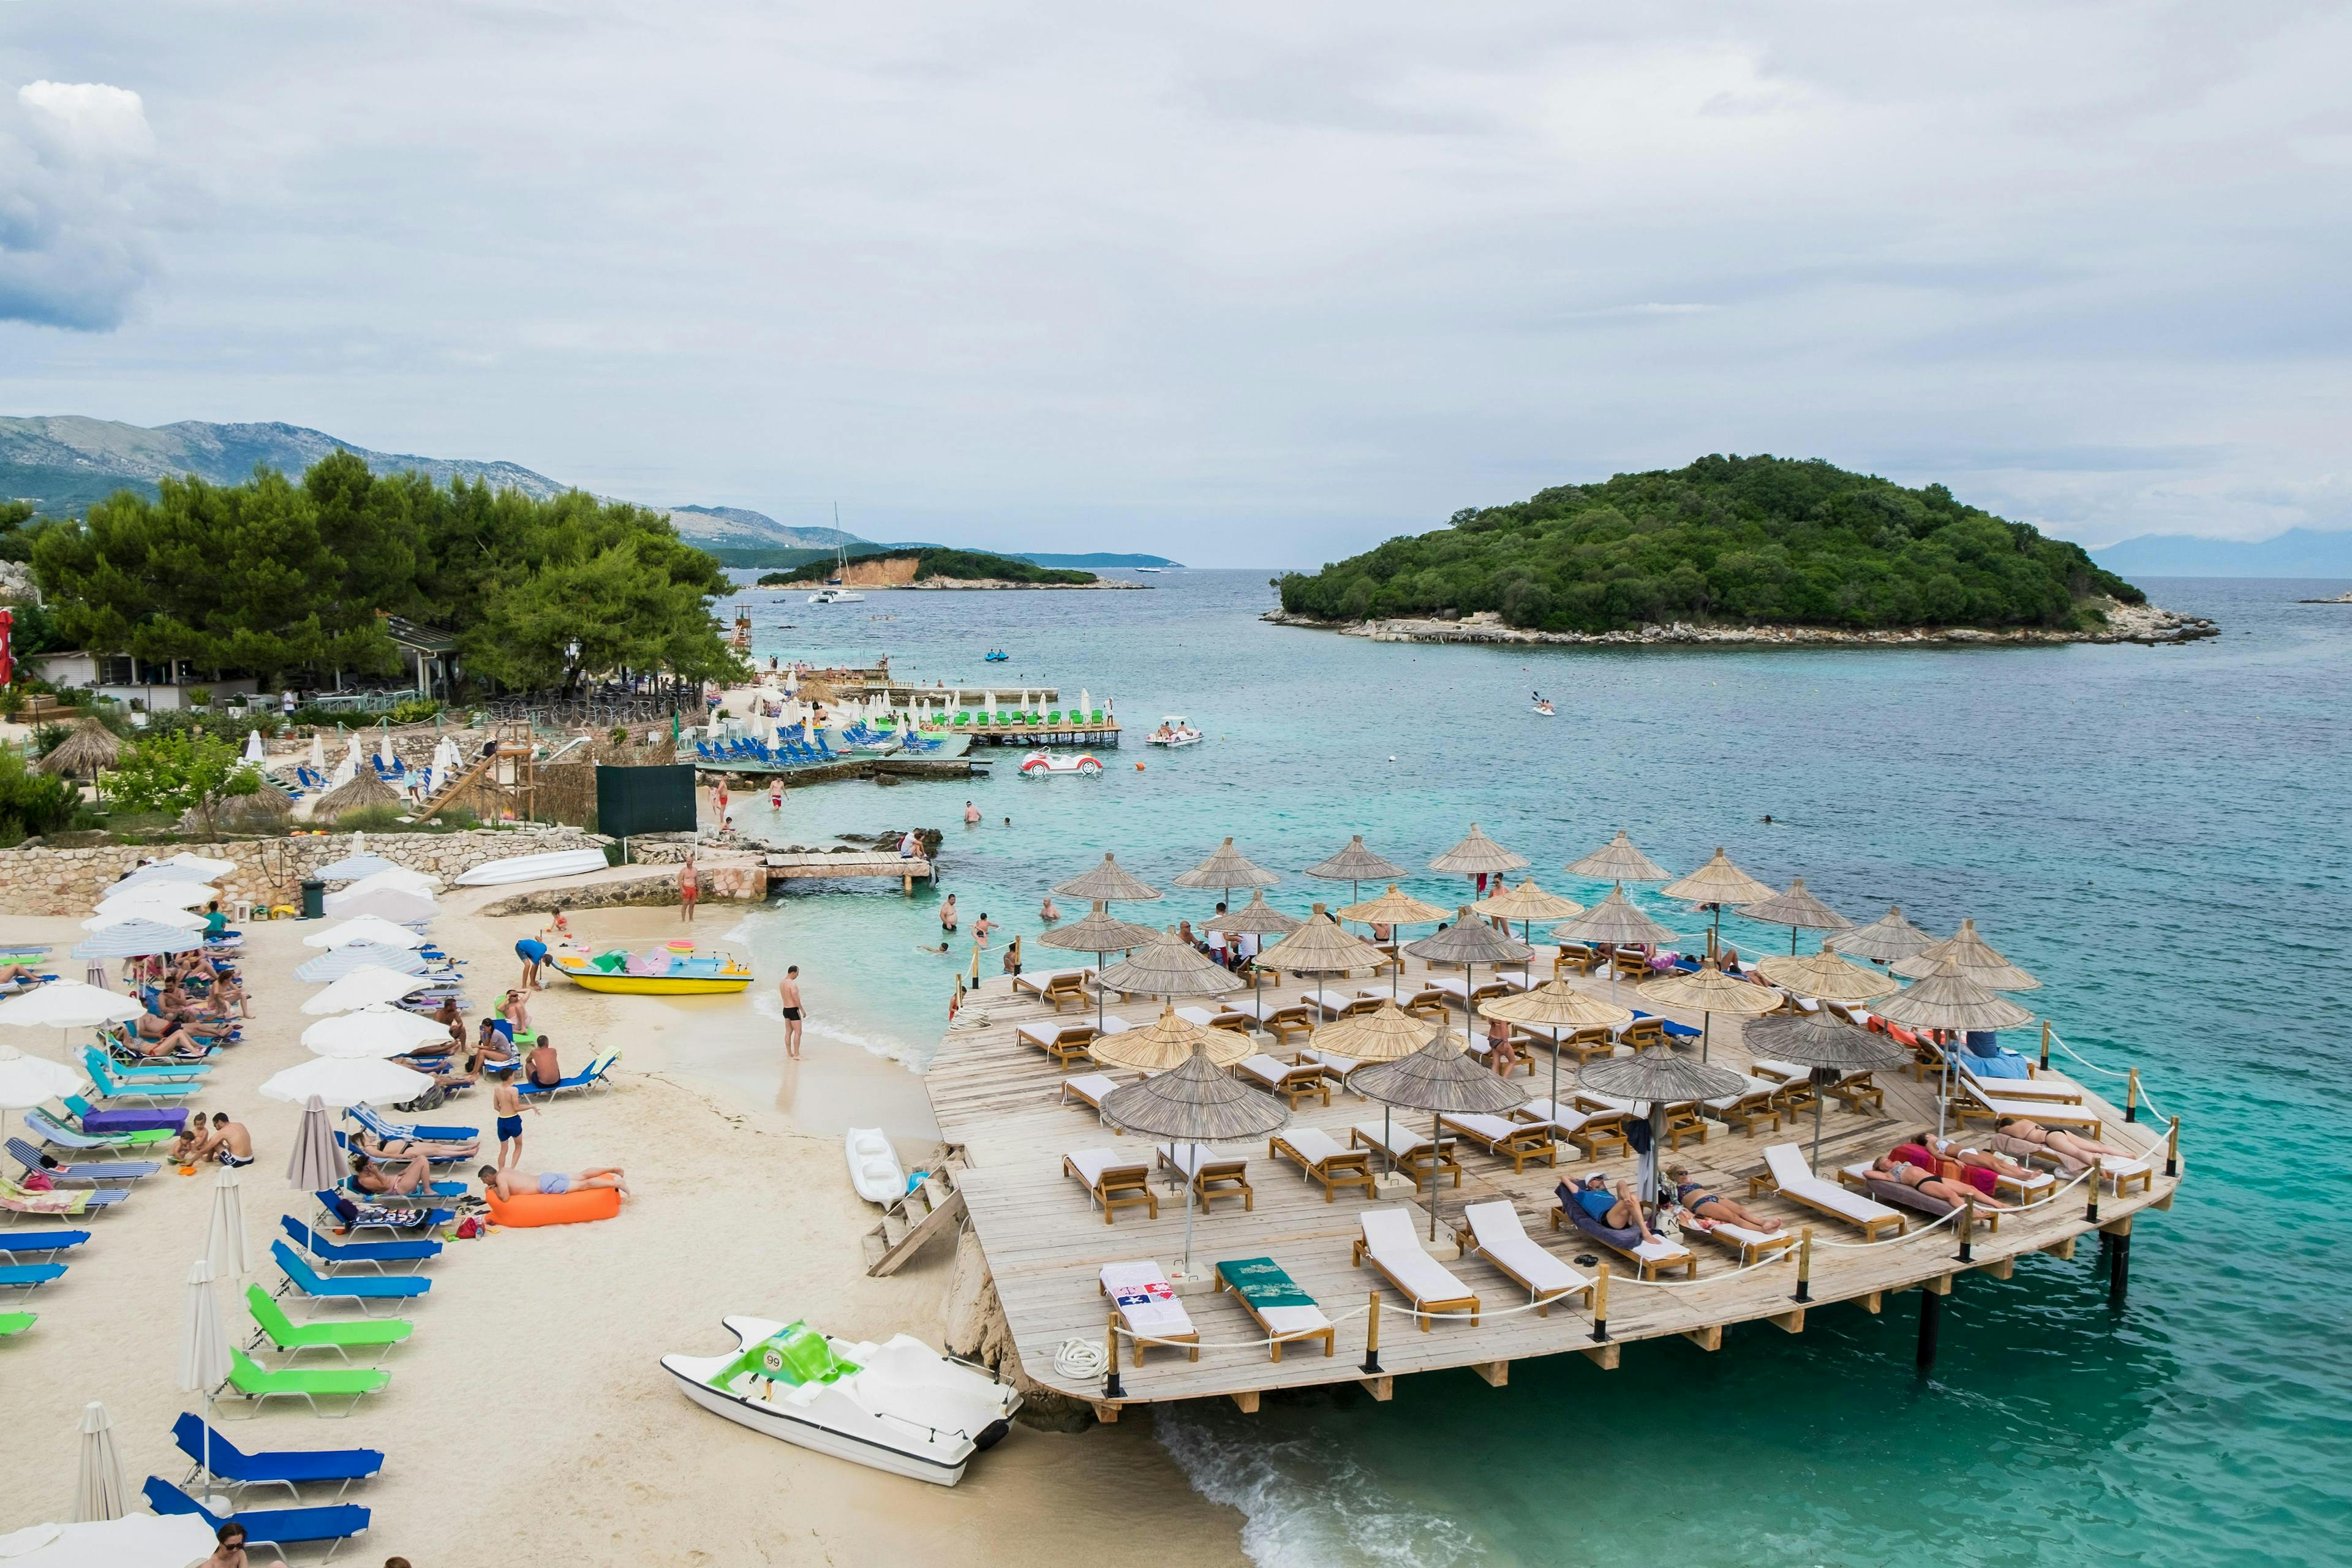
[(2142, 624)]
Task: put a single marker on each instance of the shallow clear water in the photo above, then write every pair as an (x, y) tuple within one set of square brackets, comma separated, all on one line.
[(2159, 833)]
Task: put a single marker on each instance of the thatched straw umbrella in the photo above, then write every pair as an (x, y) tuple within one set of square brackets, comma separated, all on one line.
[(1527, 904), (1478, 856), (266, 810), (1711, 991), (1225, 870), (1101, 933), (1556, 1005), (1948, 999), (1470, 942), (1106, 883), (1830, 1048), (1799, 910), (1720, 883), (1826, 977), (1611, 924), (1661, 1078), (1168, 1042), (1320, 947), (1257, 918), (1194, 1102), (1619, 861), (1972, 956), (1167, 967), (87, 750), (1883, 941), (1439, 1078), (1385, 1034), (364, 790), (1355, 864), (1391, 909)]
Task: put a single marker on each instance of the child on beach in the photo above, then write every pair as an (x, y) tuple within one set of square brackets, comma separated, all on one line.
[(508, 1102)]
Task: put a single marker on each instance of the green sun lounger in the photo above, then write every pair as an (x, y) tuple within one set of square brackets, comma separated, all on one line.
[(259, 1384), (13, 1323), (290, 1339)]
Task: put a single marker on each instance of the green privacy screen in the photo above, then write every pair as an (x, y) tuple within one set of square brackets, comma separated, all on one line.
[(645, 800)]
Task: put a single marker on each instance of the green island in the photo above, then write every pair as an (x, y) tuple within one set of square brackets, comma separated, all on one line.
[(1755, 541), (926, 564)]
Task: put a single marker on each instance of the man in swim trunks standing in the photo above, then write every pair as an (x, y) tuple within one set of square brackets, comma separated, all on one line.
[(689, 887), (788, 992), (507, 1101)]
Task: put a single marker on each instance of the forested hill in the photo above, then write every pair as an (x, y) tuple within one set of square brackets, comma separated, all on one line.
[(1733, 540)]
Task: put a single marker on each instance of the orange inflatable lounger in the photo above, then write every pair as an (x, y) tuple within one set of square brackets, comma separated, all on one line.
[(554, 1208)]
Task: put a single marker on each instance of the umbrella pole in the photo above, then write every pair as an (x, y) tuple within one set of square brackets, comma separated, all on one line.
[(1188, 1218), (1817, 1129), (1435, 1122)]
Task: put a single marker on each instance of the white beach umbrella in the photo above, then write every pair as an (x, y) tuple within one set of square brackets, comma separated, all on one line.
[(314, 1164), (253, 749), (347, 770), (988, 702), (140, 935), (365, 928), (179, 893), (68, 1005), (353, 957), (134, 1541), (1085, 704), (119, 914), (27, 1081), (318, 753), (376, 1031), (384, 904), (162, 871), (371, 986), (341, 1082), (399, 878), (354, 867), (204, 1359), (211, 866), (100, 1493), (225, 1248)]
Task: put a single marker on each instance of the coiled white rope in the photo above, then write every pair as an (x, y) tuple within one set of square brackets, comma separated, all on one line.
[(1082, 1360)]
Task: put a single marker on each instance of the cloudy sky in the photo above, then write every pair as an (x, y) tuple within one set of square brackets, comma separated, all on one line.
[(1246, 284)]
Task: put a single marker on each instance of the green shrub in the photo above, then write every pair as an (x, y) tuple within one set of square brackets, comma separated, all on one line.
[(372, 819), (416, 711), (33, 802)]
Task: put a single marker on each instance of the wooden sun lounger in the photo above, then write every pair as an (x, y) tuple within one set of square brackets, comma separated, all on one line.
[(1056, 987), (1644, 1033), (1066, 1043), (1145, 1302), (1518, 1141), (2048, 1086), (1582, 1044), (1408, 1151), (1211, 1175), (1991, 1107), (1483, 1052), (1332, 1003), (1758, 1102), (1088, 1088), (1428, 1002), (1752, 1246), (1276, 1016), (1113, 1180), (1223, 1018), (1321, 1158), (1335, 1067), (1293, 1082), (1284, 1325), (1493, 1231), (1387, 1238), (1650, 1258), (1574, 958), (1786, 1173), (1594, 1131), (1682, 1120)]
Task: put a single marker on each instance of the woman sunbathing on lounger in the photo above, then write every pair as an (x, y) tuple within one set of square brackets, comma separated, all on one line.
[(1713, 1205), (1902, 1172), (225, 989), (157, 1036), (19, 974), (1974, 1159), (1607, 1208), (398, 1183), (2070, 1150), (400, 1149)]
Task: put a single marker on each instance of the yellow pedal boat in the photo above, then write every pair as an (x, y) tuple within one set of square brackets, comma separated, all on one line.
[(674, 971)]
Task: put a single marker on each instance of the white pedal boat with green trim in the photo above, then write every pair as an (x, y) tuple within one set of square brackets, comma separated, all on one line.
[(900, 1405)]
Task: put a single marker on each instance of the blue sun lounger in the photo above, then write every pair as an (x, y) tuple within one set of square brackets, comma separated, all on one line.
[(344, 1144), (339, 1209), (30, 1277), (87, 1173), (589, 1077), (274, 1527), (159, 1070), (16, 1245), (374, 1121), (232, 1467), (317, 1287), (336, 1255), (112, 1088)]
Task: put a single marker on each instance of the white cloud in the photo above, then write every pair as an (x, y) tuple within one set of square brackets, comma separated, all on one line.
[(1274, 281), (75, 247)]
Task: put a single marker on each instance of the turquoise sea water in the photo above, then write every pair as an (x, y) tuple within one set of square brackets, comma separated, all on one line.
[(2159, 833)]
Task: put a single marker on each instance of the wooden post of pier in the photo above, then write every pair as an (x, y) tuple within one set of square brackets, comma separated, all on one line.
[(1967, 1227), (1931, 1316), (2091, 1213), (2119, 1264), (2172, 1149), (1372, 1338), (1111, 1389), (1805, 1264), (1600, 1305), (2046, 1045), (2131, 1097)]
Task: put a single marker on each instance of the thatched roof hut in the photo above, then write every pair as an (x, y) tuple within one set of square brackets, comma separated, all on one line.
[(87, 750), (364, 790), (266, 810)]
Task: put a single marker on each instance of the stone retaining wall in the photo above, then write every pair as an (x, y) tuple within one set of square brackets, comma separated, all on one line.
[(45, 881)]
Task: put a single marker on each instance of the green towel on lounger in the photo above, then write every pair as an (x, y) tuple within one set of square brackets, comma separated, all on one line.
[(1261, 1281)]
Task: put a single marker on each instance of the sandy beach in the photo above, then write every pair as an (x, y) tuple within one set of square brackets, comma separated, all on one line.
[(526, 1420)]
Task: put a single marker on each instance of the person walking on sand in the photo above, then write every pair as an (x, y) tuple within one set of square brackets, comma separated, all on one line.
[(690, 888), (508, 1103), (788, 992)]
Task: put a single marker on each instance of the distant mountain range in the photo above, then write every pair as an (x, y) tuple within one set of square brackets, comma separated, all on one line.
[(63, 463), (2297, 552)]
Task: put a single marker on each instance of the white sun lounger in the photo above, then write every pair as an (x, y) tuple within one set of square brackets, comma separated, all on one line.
[(1332, 1003), (1323, 1158), (1293, 1082), (1388, 1239), (1223, 1018), (1756, 1101), (1590, 1131), (1145, 1302), (1331, 1062), (1088, 1088), (1518, 1141), (2034, 1186), (2051, 1087), (1993, 1106), (1213, 1176), (1406, 1149), (1116, 1181), (1751, 1245), (1788, 1175), (1496, 1235)]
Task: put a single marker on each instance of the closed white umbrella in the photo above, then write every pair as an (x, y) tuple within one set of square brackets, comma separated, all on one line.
[(365, 928), (384, 904), (100, 1493), (315, 1164), (372, 986), (383, 753), (317, 754), (253, 750), (225, 1248), (346, 1082), (203, 1363), (376, 1031), (1085, 704), (348, 768)]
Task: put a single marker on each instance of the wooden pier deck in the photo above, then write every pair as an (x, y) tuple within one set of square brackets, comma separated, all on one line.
[(788, 866), (1001, 1100)]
